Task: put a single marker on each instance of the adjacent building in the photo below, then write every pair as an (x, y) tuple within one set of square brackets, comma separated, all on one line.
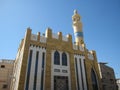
[(108, 79), (118, 83), (6, 68), (54, 62)]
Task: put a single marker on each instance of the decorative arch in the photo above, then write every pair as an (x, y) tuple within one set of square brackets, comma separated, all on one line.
[(64, 59), (94, 80), (56, 58)]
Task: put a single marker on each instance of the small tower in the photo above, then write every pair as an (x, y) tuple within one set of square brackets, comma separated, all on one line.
[(77, 27)]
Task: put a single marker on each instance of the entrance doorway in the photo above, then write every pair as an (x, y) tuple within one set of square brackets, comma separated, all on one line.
[(61, 83)]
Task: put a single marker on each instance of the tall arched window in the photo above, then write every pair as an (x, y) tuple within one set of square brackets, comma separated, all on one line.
[(56, 58), (94, 80), (64, 59)]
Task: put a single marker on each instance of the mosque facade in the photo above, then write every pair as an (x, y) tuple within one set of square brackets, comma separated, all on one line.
[(54, 62)]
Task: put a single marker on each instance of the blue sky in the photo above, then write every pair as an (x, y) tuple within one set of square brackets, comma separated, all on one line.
[(100, 18)]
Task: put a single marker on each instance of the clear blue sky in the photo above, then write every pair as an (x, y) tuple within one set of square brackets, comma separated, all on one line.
[(100, 18)]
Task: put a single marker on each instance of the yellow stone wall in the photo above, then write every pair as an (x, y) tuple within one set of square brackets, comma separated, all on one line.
[(60, 45)]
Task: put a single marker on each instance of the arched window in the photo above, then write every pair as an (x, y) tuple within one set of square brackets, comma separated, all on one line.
[(56, 58), (94, 80), (64, 59)]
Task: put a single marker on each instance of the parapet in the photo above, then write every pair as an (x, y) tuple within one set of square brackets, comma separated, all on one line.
[(7, 61), (49, 35)]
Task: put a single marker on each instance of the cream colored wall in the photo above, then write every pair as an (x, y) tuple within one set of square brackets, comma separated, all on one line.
[(6, 74)]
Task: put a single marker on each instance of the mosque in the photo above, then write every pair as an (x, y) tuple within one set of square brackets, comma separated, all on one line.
[(53, 62)]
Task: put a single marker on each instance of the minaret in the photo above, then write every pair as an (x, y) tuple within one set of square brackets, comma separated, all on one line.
[(77, 27)]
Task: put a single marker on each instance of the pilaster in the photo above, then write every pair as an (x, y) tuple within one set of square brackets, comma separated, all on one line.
[(48, 70), (26, 44), (72, 70)]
